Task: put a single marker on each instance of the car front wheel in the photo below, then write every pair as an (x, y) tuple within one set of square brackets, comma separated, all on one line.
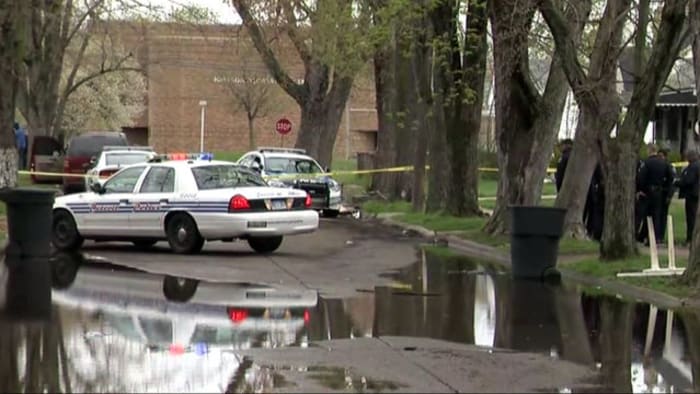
[(183, 235), (65, 235), (265, 244)]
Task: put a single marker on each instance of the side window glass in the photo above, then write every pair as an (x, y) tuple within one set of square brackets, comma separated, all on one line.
[(159, 180), (125, 181), (247, 161)]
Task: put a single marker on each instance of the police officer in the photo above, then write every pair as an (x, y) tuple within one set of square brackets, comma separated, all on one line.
[(689, 189), (653, 178), (566, 146), (640, 228), (594, 209), (668, 191)]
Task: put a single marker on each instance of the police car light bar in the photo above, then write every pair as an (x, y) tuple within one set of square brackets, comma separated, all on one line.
[(287, 150), (183, 156)]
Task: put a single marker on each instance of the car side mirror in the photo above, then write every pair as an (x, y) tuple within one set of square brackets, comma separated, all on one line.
[(256, 166), (327, 169), (56, 154), (97, 188), (93, 160)]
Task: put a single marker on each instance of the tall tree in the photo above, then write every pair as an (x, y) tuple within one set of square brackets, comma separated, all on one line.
[(57, 61), (329, 37), (13, 17), (527, 122), (598, 103), (619, 151), (692, 272)]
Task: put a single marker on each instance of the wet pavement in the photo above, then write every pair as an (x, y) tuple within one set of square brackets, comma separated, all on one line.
[(444, 325)]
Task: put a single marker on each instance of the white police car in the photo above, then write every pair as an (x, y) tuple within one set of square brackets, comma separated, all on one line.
[(294, 168), (186, 200), (112, 159)]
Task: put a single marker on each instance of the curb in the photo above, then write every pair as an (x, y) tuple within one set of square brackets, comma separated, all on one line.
[(479, 251)]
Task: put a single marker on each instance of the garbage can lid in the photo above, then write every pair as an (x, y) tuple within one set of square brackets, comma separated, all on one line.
[(27, 195)]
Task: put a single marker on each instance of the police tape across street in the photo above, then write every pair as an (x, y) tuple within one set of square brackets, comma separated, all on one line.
[(287, 176)]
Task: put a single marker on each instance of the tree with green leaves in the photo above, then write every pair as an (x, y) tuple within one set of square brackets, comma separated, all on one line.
[(334, 41)]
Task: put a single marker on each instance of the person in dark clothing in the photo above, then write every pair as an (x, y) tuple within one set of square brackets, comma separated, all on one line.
[(594, 209), (689, 189), (640, 224), (566, 146), (669, 189), (653, 178)]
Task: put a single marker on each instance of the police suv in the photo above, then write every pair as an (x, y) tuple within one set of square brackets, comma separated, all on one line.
[(286, 167), (186, 199)]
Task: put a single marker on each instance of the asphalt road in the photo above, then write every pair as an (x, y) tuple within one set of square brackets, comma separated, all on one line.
[(336, 260)]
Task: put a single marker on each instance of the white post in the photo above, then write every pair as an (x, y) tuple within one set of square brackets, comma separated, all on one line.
[(671, 246), (203, 105), (651, 325), (653, 251)]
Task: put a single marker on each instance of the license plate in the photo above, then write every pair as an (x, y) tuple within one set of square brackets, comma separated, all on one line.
[(279, 204)]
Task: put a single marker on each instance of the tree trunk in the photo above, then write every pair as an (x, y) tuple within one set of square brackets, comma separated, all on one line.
[(582, 163), (421, 62), (385, 157), (438, 181), (526, 122), (320, 118), (12, 21), (692, 272), (691, 322), (616, 319), (251, 132), (464, 127)]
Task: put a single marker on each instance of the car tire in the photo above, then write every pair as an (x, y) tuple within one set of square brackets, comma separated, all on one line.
[(330, 213), (144, 243), (265, 244), (179, 289), (64, 232), (183, 235)]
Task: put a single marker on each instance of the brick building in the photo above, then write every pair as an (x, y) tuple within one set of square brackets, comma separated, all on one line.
[(187, 64)]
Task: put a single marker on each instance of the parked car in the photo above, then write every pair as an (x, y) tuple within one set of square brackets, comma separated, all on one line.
[(186, 202), (112, 159), (285, 167), (45, 155), (81, 149)]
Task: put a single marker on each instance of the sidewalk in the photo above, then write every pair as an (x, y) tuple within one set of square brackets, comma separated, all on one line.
[(479, 251)]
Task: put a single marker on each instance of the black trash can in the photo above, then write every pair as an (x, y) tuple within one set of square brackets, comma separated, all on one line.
[(534, 243), (29, 221)]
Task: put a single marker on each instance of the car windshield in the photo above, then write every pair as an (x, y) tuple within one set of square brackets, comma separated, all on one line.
[(225, 176), (124, 159), (91, 145), (291, 165)]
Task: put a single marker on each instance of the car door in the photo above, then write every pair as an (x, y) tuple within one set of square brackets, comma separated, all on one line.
[(151, 201), (108, 213)]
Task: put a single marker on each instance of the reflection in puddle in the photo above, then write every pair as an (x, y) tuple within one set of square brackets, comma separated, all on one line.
[(121, 329)]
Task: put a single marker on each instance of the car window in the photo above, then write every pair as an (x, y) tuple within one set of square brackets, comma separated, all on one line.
[(91, 145), (159, 180), (291, 165), (225, 176), (125, 159), (246, 160), (125, 181), (45, 146)]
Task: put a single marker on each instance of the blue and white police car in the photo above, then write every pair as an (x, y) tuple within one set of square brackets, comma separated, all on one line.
[(186, 199)]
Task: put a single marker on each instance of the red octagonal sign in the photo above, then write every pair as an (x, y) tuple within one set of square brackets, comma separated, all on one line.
[(283, 126)]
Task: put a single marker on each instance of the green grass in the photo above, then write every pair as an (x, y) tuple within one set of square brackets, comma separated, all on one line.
[(374, 206), (438, 222), (610, 269), (227, 156)]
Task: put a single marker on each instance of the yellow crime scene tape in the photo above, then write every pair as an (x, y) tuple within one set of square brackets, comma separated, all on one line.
[(292, 176)]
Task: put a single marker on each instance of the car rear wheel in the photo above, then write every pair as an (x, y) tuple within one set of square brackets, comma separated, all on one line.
[(265, 244), (144, 243), (65, 235), (330, 213), (183, 235), (179, 289)]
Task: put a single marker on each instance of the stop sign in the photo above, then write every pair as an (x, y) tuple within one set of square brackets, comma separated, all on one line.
[(283, 126)]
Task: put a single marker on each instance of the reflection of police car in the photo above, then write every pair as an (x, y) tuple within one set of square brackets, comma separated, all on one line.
[(185, 201), (292, 167), (164, 311), (112, 159)]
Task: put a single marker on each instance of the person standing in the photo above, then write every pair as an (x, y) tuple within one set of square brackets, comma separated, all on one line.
[(21, 141), (669, 189), (640, 228), (566, 146), (653, 176), (594, 211), (689, 189)]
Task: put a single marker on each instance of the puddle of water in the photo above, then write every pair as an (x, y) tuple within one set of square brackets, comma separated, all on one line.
[(121, 329)]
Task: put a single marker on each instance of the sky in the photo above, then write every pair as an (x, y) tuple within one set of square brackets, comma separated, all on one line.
[(223, 9)]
